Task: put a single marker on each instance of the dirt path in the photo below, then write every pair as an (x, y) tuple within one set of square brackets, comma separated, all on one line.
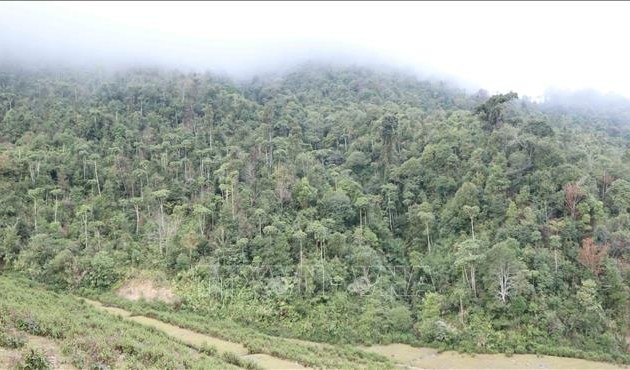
[(197, 340), (8, 358), (427, 358)]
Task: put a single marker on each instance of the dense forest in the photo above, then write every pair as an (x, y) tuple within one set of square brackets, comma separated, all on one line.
[(336, 204)]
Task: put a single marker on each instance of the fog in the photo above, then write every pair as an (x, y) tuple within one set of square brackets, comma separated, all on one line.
[(525, 47)]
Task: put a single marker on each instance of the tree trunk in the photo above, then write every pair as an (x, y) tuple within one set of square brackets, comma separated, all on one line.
[(85, 227), (465, 277), (505, 282), (202, 222), (162, 226), (137, 208), (98, 183), (428, 238), (56, 207), (35, 214), (461, 310), (472, 280), (98, 238), (301, 267)]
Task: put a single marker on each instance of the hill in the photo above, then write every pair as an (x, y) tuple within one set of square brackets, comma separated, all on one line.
[(334, 204)]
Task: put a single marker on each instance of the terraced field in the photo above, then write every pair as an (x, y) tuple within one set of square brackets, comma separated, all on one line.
[(201, 341), (41, 329)]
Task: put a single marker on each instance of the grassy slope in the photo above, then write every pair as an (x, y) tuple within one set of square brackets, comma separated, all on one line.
[(319, 355), (90, 338)]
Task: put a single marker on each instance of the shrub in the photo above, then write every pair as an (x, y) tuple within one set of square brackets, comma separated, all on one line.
[(182, 262), (231, 357), (99, 366), (400, 317), (234, 359), (11, 341), (444, 332), (31, 326), (34, 360), (102, 272), (208, 349)]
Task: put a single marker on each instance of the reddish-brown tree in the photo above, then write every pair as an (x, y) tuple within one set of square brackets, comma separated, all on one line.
[(592, 255), (573, 196)]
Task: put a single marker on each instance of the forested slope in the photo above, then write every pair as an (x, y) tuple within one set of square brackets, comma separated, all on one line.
[(330, 203)]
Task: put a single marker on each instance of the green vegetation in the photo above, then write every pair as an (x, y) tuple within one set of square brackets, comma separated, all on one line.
[(10, 340), (90, 339), (232, 358), (34, 360), (339, 205), (317, 355)]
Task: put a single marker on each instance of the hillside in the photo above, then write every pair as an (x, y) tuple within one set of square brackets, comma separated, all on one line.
[(43, 330), (332, 204)]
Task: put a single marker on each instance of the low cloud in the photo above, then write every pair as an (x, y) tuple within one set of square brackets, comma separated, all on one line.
[(526, 47)]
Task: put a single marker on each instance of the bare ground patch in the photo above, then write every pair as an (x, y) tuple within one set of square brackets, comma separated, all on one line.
[(9, 358), (146, 289)]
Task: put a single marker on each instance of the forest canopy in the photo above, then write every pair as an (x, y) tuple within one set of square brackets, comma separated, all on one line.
[(339, 204)]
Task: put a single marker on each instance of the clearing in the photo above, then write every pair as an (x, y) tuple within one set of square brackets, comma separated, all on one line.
[(146, 289)]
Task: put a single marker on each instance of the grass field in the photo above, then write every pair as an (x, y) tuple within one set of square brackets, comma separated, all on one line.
[(309, 354), (78, 335), (71, 332)]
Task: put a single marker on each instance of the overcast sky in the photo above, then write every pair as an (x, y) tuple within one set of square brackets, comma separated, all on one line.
[(522, 46)]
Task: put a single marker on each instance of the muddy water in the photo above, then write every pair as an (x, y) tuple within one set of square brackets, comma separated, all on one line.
[(427, 358), (198, 340)]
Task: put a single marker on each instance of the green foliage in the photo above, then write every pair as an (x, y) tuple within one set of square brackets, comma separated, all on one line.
[(234, 359), (619, 193), (505, 271), (10, 340), (102, 273), (400, 318), (491, 111), (322, 204), (208, 349), (34, 360), (431, 327), (318, 355)]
